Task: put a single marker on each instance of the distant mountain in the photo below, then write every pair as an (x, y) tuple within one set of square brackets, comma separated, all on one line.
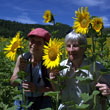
[(10, 28)]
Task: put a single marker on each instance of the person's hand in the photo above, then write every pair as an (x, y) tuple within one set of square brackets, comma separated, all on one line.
[(23, 64), (103, 88), (53, 73), (29, 86)]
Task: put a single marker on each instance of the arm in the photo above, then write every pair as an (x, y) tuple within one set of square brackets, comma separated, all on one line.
[(46, 89), (53, 76), (30, 87), (15, 72), (20, 65), (49, 85)]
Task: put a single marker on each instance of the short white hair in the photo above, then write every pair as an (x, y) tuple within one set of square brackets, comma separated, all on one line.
[(73, 36)]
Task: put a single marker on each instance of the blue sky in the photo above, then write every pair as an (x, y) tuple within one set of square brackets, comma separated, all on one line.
[(31, 11)]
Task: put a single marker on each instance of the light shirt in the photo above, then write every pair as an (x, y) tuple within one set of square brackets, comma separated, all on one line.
[(73, 87)]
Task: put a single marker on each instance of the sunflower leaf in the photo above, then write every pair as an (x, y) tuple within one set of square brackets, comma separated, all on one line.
[(62, 67)]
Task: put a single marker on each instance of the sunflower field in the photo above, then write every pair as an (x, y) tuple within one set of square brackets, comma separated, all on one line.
[(10, 49), (8, 93)]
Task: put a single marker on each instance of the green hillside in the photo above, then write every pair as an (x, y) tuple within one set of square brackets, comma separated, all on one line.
[(9, 28), (59, 30)]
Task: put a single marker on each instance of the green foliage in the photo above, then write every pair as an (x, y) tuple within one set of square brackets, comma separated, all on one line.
[(6, 90), (86, 79), (46, 109), (8, 93), (82, 107), (9, 29)]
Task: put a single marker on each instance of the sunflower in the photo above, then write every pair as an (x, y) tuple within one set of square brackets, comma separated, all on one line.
[(52, 53), (48, 17), (97, 24), (11, 49), (82, 21)]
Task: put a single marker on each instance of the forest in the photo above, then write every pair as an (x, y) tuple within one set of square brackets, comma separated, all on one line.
[(10, 28)]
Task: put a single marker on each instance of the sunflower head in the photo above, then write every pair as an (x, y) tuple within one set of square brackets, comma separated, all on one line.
[(52, 53), (97, 24), (48, 17), (11, 49), (82, 21)]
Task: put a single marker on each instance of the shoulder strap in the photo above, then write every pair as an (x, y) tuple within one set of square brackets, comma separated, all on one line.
[(27, 56), (45, 76)]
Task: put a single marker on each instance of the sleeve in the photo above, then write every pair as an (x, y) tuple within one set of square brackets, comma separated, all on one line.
[(105, 79), (104, 75)]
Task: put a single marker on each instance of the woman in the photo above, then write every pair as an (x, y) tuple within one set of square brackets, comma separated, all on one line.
[(36, 82), (73, 87)]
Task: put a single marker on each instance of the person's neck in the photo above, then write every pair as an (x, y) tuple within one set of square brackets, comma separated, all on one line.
[(36, 60), (77, 63)]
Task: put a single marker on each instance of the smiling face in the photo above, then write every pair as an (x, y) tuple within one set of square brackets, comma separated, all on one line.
[(75, 52), (36, 46)]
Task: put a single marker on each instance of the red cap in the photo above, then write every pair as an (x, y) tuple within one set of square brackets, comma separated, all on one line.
[(40, 32)]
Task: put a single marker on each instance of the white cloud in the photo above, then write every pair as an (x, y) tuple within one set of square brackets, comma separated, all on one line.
[(19, 8), (89, 2), (24, 18), (106, 21), (28, 10), (102, 4)]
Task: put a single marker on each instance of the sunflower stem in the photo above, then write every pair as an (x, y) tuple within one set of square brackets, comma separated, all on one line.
[(94, 64), (93, 54), (24, 99)]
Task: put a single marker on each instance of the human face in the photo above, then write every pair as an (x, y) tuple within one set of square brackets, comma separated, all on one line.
[(75, 52), (36, 46)]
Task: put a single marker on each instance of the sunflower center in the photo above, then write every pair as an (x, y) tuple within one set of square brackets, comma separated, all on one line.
[(98, 25), (14, 46), (52, 53), (47, 16), (84, 23)]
